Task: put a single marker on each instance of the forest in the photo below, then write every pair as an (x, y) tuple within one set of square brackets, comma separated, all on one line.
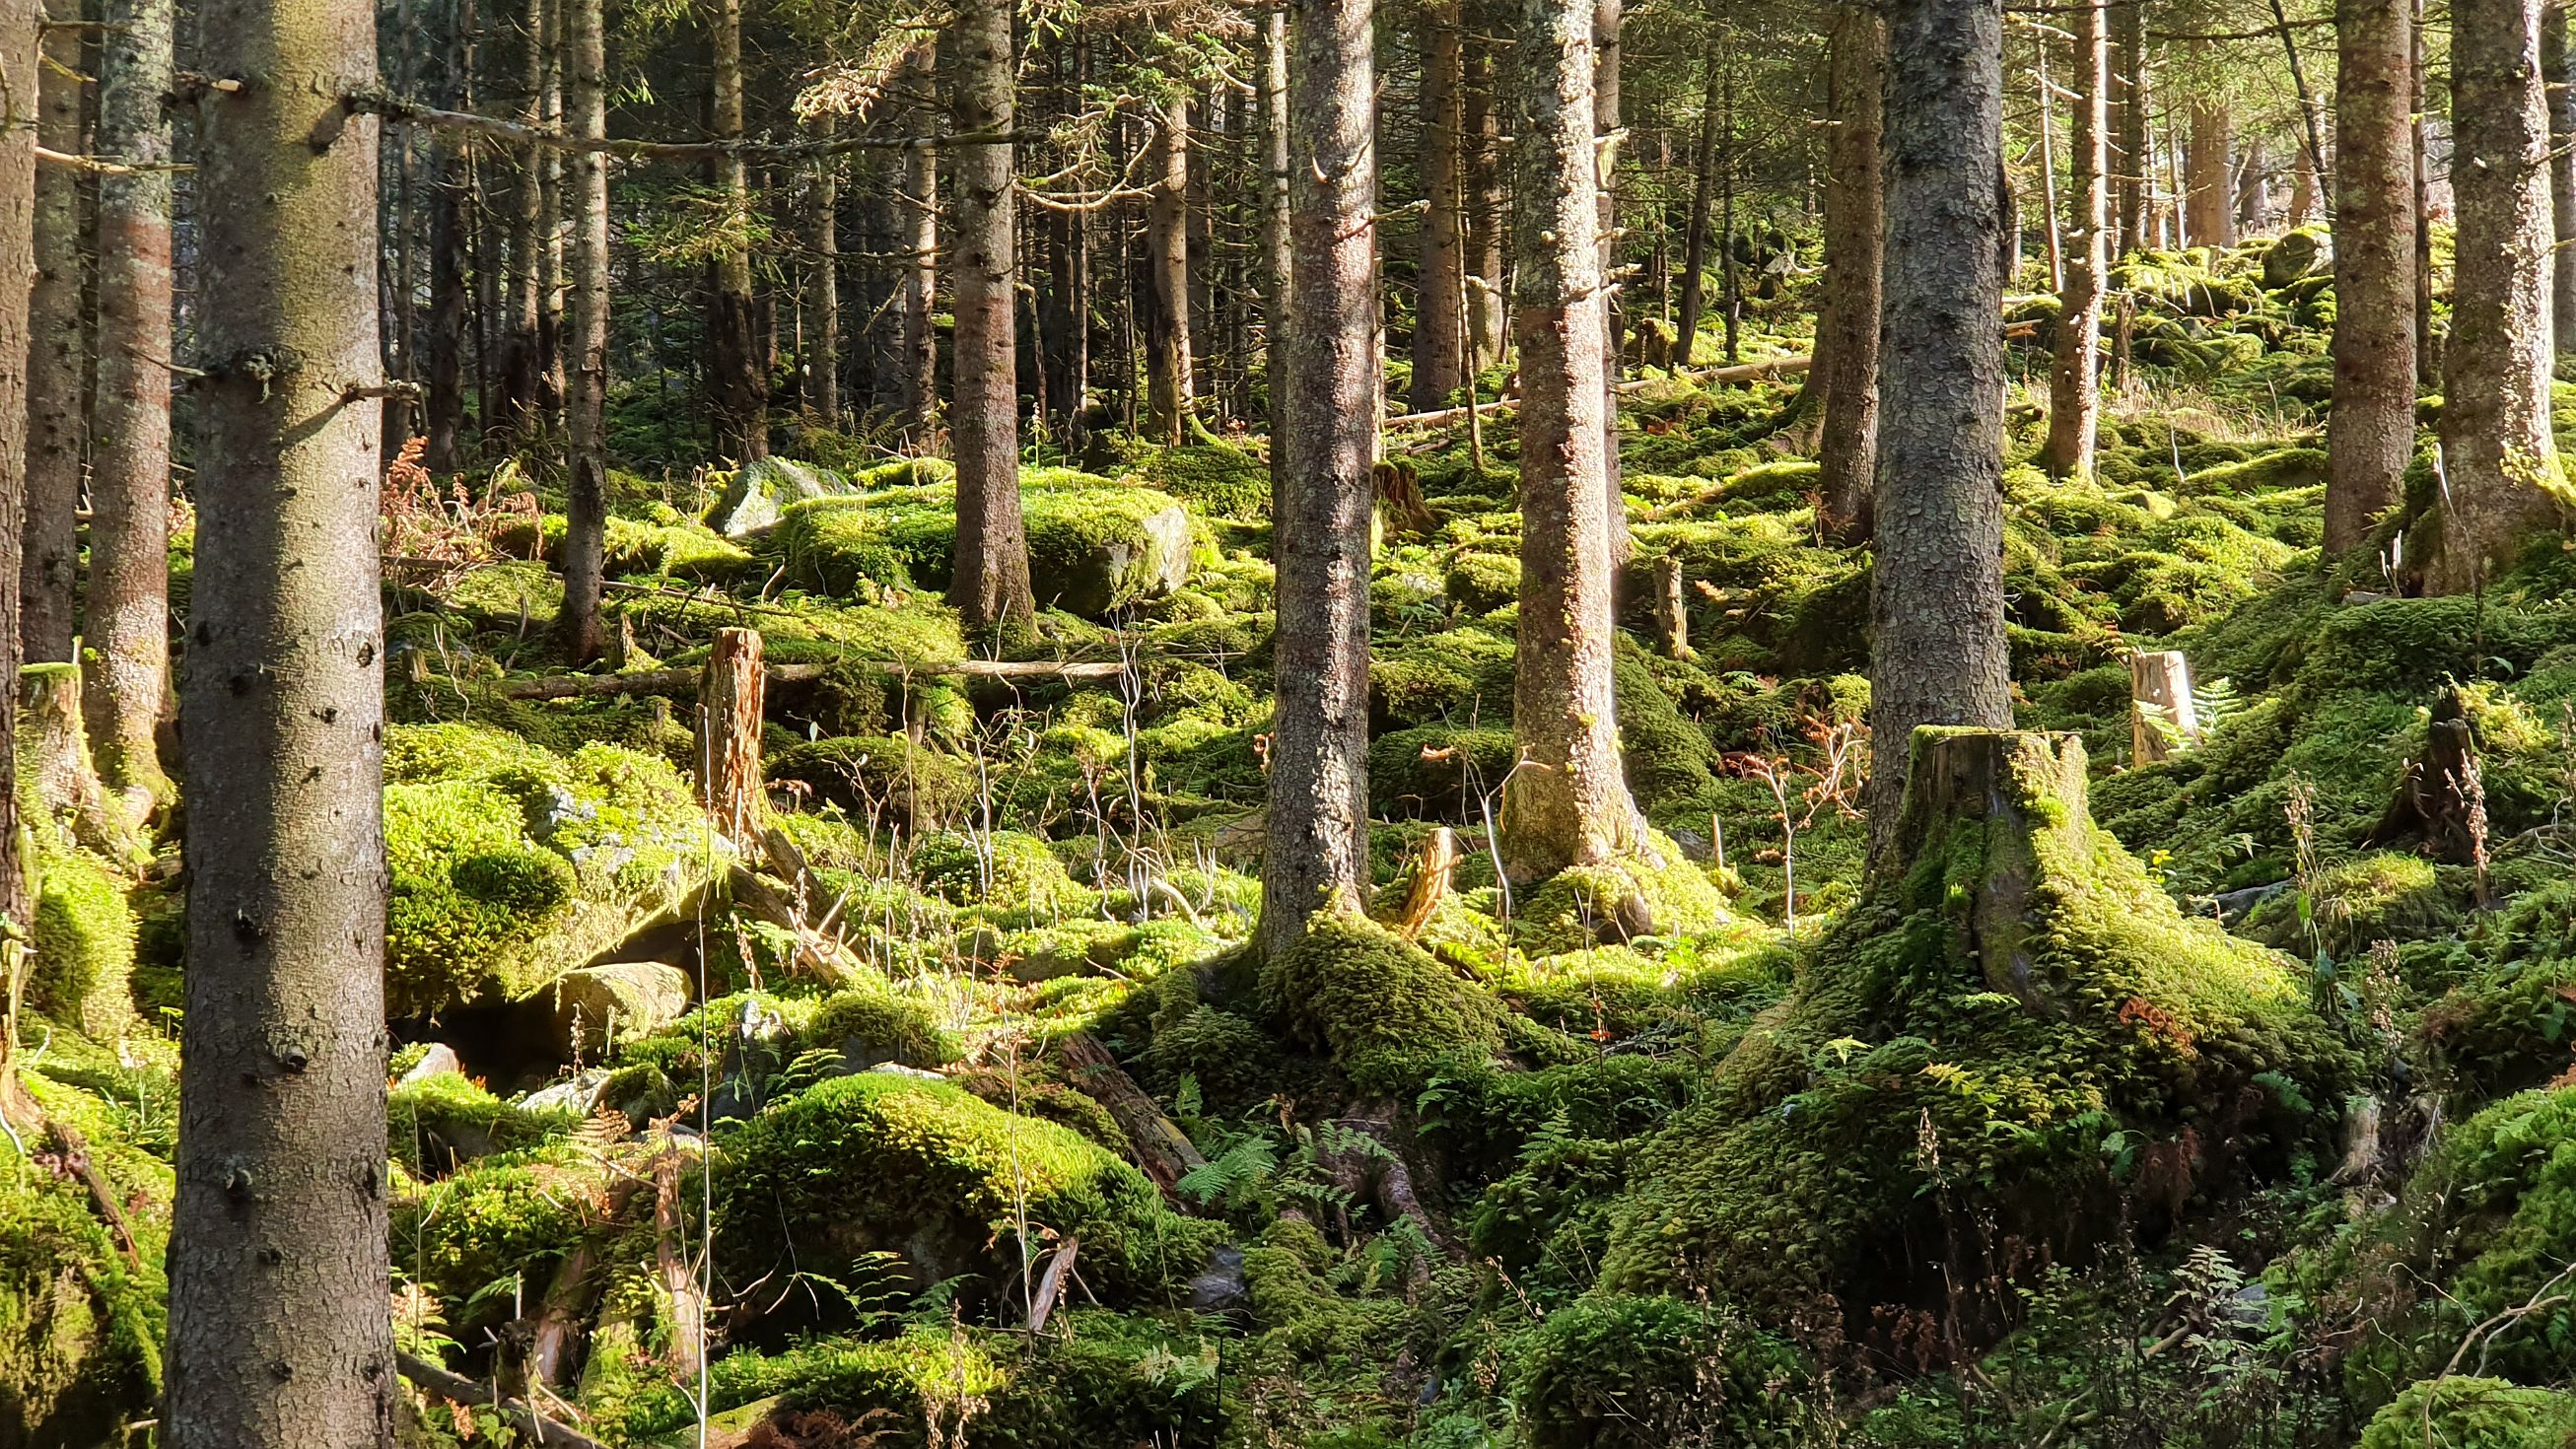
[(1346, 724)]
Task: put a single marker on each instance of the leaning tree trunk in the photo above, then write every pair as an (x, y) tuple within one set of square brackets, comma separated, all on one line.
[(55, 361), (1439, 318), (279, 1330), (2074, 391), (2132, 154), (1847, 343), (917, 206), (2562, 169), (1316, 857), (1694, 298), (2504, 476), (737, 372), (990, 586), (18, 29), (1936, 597), (127, 685), (2372, 436), (586, 382), (1169, 398), (1567, 801)]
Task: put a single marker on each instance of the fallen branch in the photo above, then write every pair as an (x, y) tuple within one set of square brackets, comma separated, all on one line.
[(1162, 1149), (458, 1389), (1051, 1282)]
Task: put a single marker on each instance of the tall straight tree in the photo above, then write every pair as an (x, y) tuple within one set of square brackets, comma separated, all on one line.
[(822, 351), (1846, 366), (1440, 294), (1609, 23), (450, 230), (279, 1326), (585, 62), (737, 372), (2372, 435), (19, 21), (1317, 852), (1481, 130), (2209, 177), (2074, 391), (990, 586), (2504, 475), (1170, 398), (2554, 59), (1567, 801), (1937, 591), (56, 358), (1276, 246), (521, 361), (917, 207), (2132, 155), (1695, 236), (127, 686)]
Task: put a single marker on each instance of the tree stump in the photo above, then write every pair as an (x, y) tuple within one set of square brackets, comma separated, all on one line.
[(2440, 800), (1432, 868), (1672, 613), (2162, 718), (729, 707), (53, 752), (2007, 791)]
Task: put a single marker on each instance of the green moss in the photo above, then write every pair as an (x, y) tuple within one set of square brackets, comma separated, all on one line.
[(1438, 771), (2377, 897), (1007, 875), (1614, 1371), (1378, 1004), (84, 938), (832, 546), (2473, 1413), (1669, 760), (874, 1162), (885, 778), (1456, 677), (1481, 582), (497, 1223), (80, 1331), (1219, 481), (444, 1120), (875, 1026), (1657, 892)]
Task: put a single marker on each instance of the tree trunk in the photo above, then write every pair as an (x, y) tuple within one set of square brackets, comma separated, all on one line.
[(2132, 153), (521, 357), (2253, 190), (586, 392), (820, 357), (1847, 342), (737, 380), (18, 64), (279, 1329), (127, 688), (56, 365), (1438, 320), (2372, 436), (2075, 391), (2562, 170), (2428, 343), (2162, 714), (731, 695), (1276, 247), (1609, 18), (1169, 396), (1695, 232), (450, 228), (1567, 802), (2504, 475), (991, 584), (1481, 129), (1936, 599), (1316, 857), (918, 208), (54, 763), (2209, 209)]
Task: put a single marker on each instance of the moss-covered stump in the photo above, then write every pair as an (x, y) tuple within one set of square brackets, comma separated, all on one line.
[(881, 1162), (1379, 1005), (512, 864), (2024, 1031)]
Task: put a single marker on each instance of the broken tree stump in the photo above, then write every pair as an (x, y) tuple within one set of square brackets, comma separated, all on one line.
[(53, 752), (1433, 865), (2162, 718), (730, 695), (1672, 611), (2440, 801)]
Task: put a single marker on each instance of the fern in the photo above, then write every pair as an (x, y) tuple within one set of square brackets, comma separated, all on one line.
[(1230, 1179)]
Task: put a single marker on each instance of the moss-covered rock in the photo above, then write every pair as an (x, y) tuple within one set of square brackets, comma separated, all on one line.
[(84, 941), (753, 496), (1614, 1371), (1379, 1005), (881, 778), (2474, 1413)]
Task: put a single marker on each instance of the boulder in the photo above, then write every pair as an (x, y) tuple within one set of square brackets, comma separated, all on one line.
[(761, 489), (2295, 256), (1097, 564), (622, 999), (439, 1059)]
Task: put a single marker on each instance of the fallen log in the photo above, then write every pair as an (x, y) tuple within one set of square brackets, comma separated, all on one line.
[(685, 681), (456, 1388), (1162, 1149)]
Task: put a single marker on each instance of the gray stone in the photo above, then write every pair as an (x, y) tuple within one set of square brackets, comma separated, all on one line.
[(761, 489), (1221, 1286), (577, 1094), (621, 1000), (440, 1060)]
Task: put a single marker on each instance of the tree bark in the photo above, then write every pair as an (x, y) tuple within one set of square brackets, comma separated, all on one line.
[(1703, 191), (737, 380), (991, 584), (450, 229), (1567, 802), (1847, 341), (2562, 169), (1317, 852), (1936, 599), (1481, 129), (2209, 207), (1609, 20), (586, 390), (1439, 293), (279, 1329), (126, 690), (521, 356), (1170, 398), (18, 62), (2075, 391), (56, 361), (1276, 247), (2132, 153), (2504, 474), (918, 207), (731, 694), (2162, 713), (2372, 435), (821, 354)]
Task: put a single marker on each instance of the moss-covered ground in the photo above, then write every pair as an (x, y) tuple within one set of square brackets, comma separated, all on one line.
[(2205, 1102)]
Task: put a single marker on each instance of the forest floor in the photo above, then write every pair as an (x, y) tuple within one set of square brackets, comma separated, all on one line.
[(952, 1113)]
